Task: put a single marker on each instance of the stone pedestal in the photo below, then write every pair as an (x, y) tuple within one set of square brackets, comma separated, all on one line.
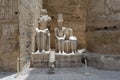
[(45, 60), (39, 60), (69, 60), (108, 62)]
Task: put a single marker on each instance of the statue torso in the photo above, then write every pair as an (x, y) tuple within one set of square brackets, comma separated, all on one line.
[(60, 32)]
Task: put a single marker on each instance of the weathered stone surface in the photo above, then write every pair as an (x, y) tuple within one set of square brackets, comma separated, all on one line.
[(104, 42), (16, 24), (28, 20), (40, 60), (9, 39), (102, 26), (108, 62), (68, 60)]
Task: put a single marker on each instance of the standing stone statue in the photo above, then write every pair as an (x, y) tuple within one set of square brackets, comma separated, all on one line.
[(43, 34), (60, 35)]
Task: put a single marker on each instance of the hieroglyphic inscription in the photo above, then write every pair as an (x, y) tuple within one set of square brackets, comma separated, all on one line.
[(9, 31), (5, 14)]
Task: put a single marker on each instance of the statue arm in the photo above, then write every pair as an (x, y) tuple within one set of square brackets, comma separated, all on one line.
[(71, 32), (56, 33), (37, 30), (64, 32)]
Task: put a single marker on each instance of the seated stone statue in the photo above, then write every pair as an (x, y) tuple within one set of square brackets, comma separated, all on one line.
[(60, 35), (68, 32), (73, 43), (43, 34), (70, 41)]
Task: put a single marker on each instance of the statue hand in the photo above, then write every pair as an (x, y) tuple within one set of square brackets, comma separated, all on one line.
[(37, 30), (48, 34)]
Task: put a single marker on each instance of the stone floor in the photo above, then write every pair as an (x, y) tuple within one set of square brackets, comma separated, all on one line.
[(62, 74)]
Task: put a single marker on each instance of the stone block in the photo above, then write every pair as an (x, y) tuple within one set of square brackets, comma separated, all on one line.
[(40, 60), (108, 62), (111, 62), (104, 41), (68, 60), (52, 59)]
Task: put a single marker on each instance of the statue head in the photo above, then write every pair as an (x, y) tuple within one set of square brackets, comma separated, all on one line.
[(43, 12), (60, 20)]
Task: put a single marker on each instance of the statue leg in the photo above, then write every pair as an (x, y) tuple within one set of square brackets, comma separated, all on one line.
[(47, 42), (75, 46), (56, 45), (59, 46), (38, 42), (72, 46), (62, 46), (43, 38)]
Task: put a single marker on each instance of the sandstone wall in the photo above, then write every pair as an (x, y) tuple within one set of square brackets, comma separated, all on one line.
[(74, 14), (17, 19), (9, 34), (28, 20), (103, 26)]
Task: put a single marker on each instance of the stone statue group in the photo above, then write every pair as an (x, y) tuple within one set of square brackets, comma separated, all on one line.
[(65, 42)]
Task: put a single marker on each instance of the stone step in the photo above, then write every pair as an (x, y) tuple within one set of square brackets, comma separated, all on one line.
[(73, 60), (43, 60), (39, 60)]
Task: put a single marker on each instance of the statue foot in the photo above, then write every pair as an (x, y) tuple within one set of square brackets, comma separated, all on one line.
[(37, 51), (63, 53), (72, 53), (59, 52), (47, 51), (43, 51), (75, 51)]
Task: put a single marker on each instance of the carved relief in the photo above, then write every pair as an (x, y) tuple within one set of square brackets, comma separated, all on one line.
[(9, 31), (5, 2), (5, 14)]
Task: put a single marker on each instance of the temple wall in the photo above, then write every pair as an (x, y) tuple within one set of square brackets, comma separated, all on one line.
[(28, 20), (103, 26), (94, 22), (17, 19), (9, 34)]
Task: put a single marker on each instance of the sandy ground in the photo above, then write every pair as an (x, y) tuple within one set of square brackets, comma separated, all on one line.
[(62, 74)]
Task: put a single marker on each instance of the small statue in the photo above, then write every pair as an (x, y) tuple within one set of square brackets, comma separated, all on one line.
[(68, 33), (43, 34), (73, 43), (70, 41), (60, 35)]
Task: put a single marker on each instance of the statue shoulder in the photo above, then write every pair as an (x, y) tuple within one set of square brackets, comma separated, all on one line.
[(56, 28), (64, 28)]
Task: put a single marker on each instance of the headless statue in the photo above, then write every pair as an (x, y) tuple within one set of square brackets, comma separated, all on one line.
[(60, 35), (43, 34), (70, 41), (73, 42), (68, 33)]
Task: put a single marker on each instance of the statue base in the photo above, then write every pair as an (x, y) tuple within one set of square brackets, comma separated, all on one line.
[(45, 60), (39, 60), (68, 60)]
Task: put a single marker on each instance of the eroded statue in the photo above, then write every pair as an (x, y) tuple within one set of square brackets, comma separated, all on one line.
[(43, 34), (65, 41), (60, 35)]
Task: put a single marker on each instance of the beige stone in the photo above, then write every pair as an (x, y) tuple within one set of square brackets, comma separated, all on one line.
[(68, 60), (74, 12), (16, 22)]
